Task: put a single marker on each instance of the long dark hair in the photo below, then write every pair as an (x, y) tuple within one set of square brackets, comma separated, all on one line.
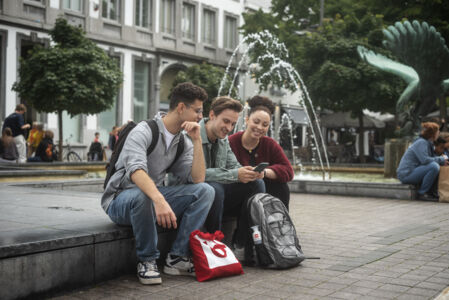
[(7, 138)]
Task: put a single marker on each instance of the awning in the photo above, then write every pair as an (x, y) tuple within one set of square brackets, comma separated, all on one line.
[(297, 115), (344, 120)]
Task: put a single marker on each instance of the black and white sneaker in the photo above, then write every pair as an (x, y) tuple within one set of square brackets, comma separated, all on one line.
[(148, 273), (178, 265)]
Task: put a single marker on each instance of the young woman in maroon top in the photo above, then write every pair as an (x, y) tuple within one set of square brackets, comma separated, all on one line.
[(252, 147)]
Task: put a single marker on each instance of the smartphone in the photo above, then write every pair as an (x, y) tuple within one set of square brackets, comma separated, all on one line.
[(260, 167)]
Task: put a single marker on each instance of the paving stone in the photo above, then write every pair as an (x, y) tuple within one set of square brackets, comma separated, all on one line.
[(394, 288), (353, 264), (421, 292)]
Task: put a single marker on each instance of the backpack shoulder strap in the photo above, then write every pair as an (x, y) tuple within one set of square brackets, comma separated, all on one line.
[(155, 133), (179, 150)]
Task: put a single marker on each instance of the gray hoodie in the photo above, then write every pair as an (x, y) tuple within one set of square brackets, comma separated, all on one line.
[(133, 157)]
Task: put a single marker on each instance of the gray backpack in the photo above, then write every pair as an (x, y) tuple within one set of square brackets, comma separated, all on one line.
[(280, 247)]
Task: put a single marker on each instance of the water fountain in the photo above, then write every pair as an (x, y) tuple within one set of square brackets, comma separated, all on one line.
[(282, 73)]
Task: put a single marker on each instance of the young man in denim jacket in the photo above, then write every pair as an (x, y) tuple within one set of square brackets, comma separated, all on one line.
[(233, 183), (136, 195)]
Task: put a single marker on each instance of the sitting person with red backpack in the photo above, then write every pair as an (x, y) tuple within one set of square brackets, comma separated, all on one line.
[(46, 151)]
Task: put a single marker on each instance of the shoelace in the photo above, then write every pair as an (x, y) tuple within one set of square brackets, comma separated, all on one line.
[(148, 266)]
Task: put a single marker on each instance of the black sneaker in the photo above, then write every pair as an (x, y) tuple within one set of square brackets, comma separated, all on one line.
[(148, 273), (428, 197), (178, 265)]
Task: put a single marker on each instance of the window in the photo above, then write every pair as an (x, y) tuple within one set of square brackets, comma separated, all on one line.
[(143, 13), (107, 119), (141, 90), (111, 10), (188, 21), (230, 33), (168, 16), (209, 27), (75, 5)]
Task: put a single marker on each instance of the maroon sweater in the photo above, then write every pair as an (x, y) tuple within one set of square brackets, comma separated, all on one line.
[(268, 151)]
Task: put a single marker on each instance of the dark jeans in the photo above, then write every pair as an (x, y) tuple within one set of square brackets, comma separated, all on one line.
[(279, 190), (230, 200)]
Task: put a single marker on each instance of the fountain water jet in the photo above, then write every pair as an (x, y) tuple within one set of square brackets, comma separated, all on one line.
[(284, 74)]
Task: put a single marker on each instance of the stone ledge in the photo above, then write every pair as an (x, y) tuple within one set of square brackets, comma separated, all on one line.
[(358, 189)]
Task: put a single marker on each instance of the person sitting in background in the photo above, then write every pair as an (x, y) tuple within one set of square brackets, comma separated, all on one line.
[(35, 137), (252, 147), (419, 165), (46, 151), (445, 136), (96, 149), (113, 137), (440, 146), (8, 148)]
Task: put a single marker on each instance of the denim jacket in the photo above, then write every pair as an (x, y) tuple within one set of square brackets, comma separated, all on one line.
[(419, 153), (226, 164)]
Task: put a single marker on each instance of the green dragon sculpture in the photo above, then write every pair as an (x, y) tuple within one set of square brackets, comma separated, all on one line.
[(423, 65)]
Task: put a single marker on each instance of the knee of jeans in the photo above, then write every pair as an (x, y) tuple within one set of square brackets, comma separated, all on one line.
[(259, 186), (206, 189), (435, 167), (141, 200)]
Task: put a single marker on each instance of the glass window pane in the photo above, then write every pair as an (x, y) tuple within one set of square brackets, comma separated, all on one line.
[(70, 128), (188, 21), (108, 118), (209, 27), (141, 90), (230, 34), (138, 14), (104, 9), (168, 16)]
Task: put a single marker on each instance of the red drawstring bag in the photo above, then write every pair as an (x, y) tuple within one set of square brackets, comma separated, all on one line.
[(211, 257)]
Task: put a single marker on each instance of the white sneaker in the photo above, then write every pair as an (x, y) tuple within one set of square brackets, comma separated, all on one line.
[(148, 273), (178, 265)]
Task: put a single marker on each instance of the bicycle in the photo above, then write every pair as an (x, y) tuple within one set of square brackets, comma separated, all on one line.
[(70, 155)]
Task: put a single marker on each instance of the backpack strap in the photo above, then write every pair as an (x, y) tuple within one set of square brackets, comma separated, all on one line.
[(155, 133), (179, 151)]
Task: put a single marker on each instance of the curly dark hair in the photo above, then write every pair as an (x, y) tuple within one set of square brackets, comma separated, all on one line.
[(261, 103), (187, 93), (219, 104)]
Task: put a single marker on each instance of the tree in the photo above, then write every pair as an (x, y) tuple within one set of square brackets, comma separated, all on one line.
[(208, 77), (73, 75), (335, 76)]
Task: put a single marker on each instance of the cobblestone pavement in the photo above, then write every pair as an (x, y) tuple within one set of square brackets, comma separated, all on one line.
[(369, 249)]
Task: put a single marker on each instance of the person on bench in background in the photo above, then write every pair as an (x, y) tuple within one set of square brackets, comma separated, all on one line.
[(420, 165)]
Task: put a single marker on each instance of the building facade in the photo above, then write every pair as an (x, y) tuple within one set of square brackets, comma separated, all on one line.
[(151, 40)]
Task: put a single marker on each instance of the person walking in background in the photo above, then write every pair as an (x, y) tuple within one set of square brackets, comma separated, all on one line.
[(113, 137), (419, 165), (8, 148), (251, 147), (46, 151), (16, 123), (34, 138)]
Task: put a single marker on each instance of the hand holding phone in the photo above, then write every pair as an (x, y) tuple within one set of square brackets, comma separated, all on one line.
[(260, 167)]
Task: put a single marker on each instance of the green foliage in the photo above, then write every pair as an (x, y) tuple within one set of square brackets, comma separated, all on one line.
[(209, 78), (73, 75)]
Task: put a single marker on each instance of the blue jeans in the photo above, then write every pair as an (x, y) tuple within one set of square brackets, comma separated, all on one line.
[(190, 203), (229, 199), (424, 175)]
